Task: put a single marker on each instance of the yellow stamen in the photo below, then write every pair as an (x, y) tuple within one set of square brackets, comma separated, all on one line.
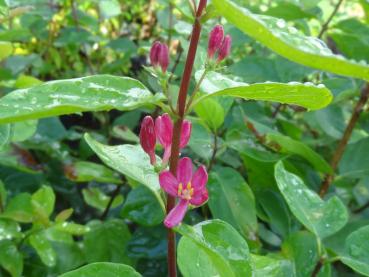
[(180, 189)]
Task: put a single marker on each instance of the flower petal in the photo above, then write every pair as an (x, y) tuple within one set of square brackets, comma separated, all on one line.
[(200, 197), (199, 179), (168, 183), (176, 215), (164, 129), (184, 171), (185, 133)]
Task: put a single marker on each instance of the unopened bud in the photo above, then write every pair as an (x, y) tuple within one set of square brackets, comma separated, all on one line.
[(215, 40), (225, 49), (148, 137), (159, 55)]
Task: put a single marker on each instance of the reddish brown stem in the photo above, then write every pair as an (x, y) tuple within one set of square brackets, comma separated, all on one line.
[(344, 140), (181, 107)]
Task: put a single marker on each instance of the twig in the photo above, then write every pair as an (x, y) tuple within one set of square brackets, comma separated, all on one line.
[(277, 109), (317, 268), (115, 193), (181, 106), (215, 149), (179, 55), (196, 89), (344, 140), (362, 208), (325, 25)]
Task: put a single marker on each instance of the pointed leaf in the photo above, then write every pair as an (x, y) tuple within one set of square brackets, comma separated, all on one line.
[(103, 269)]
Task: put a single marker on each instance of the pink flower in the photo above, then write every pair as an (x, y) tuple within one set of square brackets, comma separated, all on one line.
[(148, 137), (215, 40), (188, 187), (164, 133), (225, 49), (159, 55)]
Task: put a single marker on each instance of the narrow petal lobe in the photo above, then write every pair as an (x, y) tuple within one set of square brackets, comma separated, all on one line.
[(176, 215)]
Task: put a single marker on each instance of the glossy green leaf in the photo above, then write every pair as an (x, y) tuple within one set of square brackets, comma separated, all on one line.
[(292, 146), (267, 266), (211, 112), (9, 229), (43, 200), (64, 215), (323, 218), (93, 93), (306, 95), (142, 207), (23, 130), (43, 248), (103, 269), (94, 197), (107, 241), (231, 200), (88, 171), (289, 42), (5, 134), (212, 248), (356, 251), (10, 258), (19, 208), (131, 161), (71, 228)]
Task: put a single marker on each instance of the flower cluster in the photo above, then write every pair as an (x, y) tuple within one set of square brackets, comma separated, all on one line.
[(187, 186), (218, 43)]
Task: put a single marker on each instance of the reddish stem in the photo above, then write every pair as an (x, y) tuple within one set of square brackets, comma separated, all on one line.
[(181, 107)]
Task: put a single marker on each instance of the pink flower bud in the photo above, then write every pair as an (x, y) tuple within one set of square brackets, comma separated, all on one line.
[(159, 55), (215, 40), (154, 53), (148, 137), (185, 133), (225, 49)]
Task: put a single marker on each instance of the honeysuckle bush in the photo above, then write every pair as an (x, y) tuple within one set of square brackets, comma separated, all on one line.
[(219, 138)]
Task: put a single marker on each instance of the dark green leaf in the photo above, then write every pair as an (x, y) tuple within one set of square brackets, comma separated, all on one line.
[(10, 259)]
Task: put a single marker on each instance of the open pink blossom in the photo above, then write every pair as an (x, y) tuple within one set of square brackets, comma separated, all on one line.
[(188, 187), (164, 133)]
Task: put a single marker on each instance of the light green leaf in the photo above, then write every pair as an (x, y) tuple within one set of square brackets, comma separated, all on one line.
[(64, 215), (9, 229), (6, 49), (131, 161), (109, 8), (44, 199), (94, 197), (266, 266), (103, 269), (25, 81), (211, 112), (292, 146), (306, 95), (356, 251), (23, 130), (289, 42), (323, 218), (142, 207), (71, 228), (19, 208), (88, 171), (93, 93), (212, 248), (10, 258), (43, 248), (5, 134), (229, 198)]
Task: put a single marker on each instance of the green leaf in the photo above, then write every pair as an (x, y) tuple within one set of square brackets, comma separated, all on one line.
[(109, 8), (71, 228), (10, 258), (354, 160), (3, 195), (306, 95), (93, 93), (142, 207), (6, 49), (267, 266), (212, 248), (292, 146), (5, 134), (43, 200), (288, 42), (211, 112), (43, 248), (88, 171), (103, 269), (9, 229), (94, 197), (356, 251), (131, 161), (19, 208), (25, 81), (323, 218), (64, 215), (107, 241), (23, 130), (229, 198)]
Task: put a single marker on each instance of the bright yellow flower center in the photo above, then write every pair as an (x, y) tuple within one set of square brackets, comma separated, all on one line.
[(185, 193)]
